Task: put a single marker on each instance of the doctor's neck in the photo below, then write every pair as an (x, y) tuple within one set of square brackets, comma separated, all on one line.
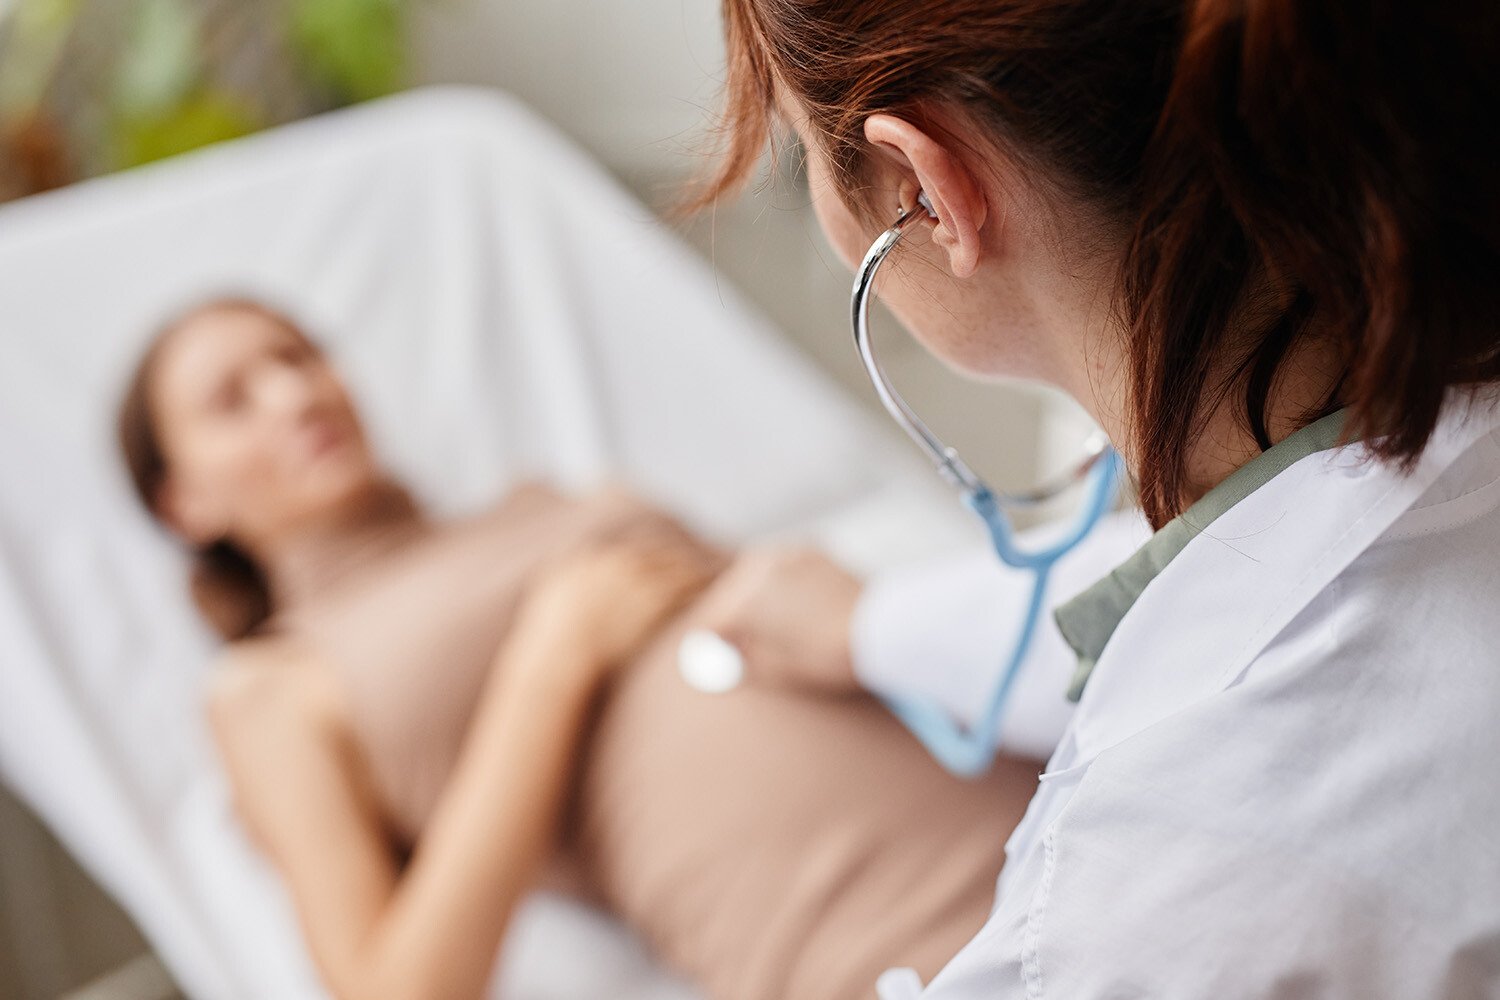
[(1306, 391), (1044, 307), (1307, 386)]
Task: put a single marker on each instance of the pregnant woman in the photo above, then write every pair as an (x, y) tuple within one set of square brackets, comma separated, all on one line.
[(424, 719)]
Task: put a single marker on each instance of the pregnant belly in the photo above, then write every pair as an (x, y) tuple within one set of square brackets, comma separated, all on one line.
[(772, 844)]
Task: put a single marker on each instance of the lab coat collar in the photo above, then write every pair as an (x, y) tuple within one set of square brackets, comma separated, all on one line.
[(1233, 587), (1089, 619)]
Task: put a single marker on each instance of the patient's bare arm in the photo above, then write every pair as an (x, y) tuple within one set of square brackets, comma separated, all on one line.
[(434, 928), (788, 609)]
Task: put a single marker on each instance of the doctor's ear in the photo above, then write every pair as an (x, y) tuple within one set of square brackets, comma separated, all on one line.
[(955, 192)]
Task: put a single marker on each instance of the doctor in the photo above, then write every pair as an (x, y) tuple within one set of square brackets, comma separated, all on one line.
[(1260, 244)]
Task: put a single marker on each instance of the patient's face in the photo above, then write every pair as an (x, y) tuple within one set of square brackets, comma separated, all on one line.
[(259, 434)]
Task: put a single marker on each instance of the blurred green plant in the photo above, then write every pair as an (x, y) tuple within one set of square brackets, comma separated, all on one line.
[(106, 85), (162, 102), (353, 46), (38, 31)]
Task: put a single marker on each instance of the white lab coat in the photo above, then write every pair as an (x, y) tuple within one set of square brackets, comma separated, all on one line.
[(1283, 778)]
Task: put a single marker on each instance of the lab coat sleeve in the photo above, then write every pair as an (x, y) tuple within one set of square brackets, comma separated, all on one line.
[(942, 630)]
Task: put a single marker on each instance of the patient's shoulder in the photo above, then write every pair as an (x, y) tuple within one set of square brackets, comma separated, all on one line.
[(277, 724)]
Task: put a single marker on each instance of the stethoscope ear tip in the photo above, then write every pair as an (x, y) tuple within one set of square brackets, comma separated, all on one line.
[(926, 203)]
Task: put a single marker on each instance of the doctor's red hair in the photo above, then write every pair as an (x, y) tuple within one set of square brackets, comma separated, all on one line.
[(1336, 159)]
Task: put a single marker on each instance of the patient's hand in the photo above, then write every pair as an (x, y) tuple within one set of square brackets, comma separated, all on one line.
[(616, 507), (787, 609), (606, 600)]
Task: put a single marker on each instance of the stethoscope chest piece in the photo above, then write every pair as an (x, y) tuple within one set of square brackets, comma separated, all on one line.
[(708, 663)]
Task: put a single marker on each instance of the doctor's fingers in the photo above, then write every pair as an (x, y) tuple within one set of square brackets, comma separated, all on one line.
[(767, 586), (738, 600), (787, 609)]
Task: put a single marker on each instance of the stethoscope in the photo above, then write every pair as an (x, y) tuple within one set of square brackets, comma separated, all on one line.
[(711, 664), (970, 750)]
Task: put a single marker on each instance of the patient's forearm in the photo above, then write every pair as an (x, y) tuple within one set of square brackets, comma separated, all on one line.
[(491, 831), (497, 819)]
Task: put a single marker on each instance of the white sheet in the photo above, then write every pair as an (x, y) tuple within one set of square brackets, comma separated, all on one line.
[(500, 309)]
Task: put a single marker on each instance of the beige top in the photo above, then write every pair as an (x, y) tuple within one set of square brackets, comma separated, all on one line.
[(768, 845), (775, 845), (412, 682)]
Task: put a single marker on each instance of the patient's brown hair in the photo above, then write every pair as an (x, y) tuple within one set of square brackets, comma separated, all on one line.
[(227, 586)]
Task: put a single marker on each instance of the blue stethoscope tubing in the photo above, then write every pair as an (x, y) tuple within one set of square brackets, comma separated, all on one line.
[(969, 750)]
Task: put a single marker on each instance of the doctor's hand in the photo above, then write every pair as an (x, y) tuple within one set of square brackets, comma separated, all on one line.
[(787, 609)]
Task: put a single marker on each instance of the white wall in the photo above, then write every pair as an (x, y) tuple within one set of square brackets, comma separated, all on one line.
[(629, 78)]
